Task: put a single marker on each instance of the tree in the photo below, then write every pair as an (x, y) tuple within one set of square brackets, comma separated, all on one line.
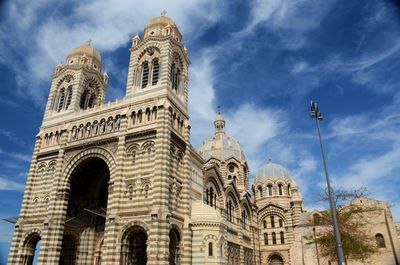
[(357, 244)]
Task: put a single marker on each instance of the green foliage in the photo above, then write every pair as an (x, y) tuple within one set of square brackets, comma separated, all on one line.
[(353, 225)]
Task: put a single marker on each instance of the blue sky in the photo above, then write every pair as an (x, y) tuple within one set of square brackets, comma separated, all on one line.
[(262, 61)]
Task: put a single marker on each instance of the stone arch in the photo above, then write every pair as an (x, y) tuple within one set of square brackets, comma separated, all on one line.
[(31, 239), (134, 241), (273, 211), (95, 152), (275, 258), (175, 244)]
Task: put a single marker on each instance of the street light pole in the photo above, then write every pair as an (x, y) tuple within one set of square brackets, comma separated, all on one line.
[(315, 114)]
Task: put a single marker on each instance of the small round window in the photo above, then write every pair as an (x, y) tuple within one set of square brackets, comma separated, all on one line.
[(231, 168), (72, 61), (95, 66)]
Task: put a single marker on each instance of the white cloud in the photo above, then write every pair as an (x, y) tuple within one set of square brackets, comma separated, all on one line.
[(301, 67), (6, 184), (38, 42)]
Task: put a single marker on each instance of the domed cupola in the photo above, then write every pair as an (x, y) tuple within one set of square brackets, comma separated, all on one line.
[(221, 146), (272, 170), (85, 55), (162, 26)]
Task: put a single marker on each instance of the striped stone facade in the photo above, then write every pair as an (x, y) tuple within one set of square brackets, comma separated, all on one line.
[(120, 183)]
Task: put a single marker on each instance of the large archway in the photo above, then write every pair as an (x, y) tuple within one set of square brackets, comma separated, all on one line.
[(134, 247), (86, 212)]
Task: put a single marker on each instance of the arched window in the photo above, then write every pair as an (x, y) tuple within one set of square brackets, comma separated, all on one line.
[(61, 100), (273, 238), (270, 190), (288, 190), (69, 98), (280, 188), (265, 238), (260, 194), (145, 75), (211, 196), (244, 217), (280, 223), (175, 75), (380, 241), (156, 70), (229, 211), (82, 102), (210, 249), (265, 223), (282, 237), (272, 221)]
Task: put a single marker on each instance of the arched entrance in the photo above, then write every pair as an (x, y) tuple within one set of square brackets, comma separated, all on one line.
[(30, 253), (275, 259), (134, 247), (174, 249), (86, 212)]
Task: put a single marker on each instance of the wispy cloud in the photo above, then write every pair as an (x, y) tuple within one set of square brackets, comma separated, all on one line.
[(109, 24), (7, 184), (12, 138)]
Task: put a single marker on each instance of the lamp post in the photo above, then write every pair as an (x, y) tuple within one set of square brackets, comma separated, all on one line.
[(315, 114)]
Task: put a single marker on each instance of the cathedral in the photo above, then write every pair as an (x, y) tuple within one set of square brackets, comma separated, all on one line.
[(120, 183)]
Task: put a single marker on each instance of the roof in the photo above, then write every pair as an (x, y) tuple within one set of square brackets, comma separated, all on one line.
[(86, 49), (272, 170), (204, 213)]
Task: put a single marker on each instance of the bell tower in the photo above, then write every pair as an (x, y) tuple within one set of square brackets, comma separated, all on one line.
[(77, 85), (159, 63)]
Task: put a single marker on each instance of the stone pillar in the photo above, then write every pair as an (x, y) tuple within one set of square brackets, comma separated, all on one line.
[(110, 249)]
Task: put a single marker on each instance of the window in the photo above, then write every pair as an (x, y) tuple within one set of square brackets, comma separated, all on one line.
[(82, 102), (270, 190), (244, 217), (61, 100), (282, 237), (265, 223), (265, 239), (156, 70), (175, 74), (145, 76), (272, 221), (273, 238), (316, 219), (229, 211), (380, 241), (280, 188), (69, 97), (210, 249), (288, 189), (260, 192), (280, 223)]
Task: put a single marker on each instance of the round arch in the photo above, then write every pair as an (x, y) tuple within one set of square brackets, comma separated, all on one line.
[(275, 258), (95, 152)]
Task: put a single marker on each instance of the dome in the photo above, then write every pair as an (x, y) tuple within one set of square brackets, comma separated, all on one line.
[(86, 49), (202, 212), (161, 20), (162, 26), (272, 170), (221, 146)]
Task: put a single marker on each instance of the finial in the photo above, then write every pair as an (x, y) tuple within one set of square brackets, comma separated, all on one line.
[(219, 109), (163, 13), (89, 42), (269, 160)]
